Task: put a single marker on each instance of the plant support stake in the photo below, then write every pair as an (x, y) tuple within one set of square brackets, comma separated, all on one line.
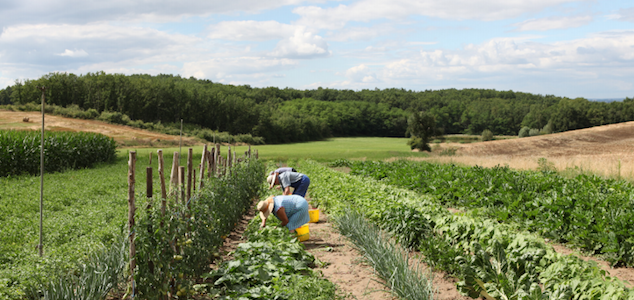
[(41, 246)]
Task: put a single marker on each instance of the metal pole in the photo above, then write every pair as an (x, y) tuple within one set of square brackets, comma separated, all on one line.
[(40, 246)]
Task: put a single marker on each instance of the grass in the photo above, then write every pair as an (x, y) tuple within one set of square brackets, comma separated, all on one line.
[(357, 148)]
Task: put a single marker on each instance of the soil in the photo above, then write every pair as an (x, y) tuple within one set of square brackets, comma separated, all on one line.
[(342, 264)]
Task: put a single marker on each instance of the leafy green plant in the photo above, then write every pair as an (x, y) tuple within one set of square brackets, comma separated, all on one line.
[(519, 256), (586, 211), (272, 264)]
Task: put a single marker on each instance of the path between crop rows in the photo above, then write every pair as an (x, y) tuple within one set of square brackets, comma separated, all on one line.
[(343, 264)]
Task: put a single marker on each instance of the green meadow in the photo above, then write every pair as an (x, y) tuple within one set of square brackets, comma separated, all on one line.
[(355, 148)]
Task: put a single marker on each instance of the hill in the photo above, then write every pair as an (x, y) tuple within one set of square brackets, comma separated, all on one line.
[(606, 150), (125, 136)]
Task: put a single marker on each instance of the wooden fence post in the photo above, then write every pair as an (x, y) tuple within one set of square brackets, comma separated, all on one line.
[(229, 158), (161, 166), (210, 162), (131, 211), (190, 167), (174, 175), (148, 189), (203, 159), (249, 155), (218, 157), (181, 183)]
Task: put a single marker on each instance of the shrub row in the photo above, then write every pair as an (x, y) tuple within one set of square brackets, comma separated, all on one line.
[(492, 260), (20, 151)]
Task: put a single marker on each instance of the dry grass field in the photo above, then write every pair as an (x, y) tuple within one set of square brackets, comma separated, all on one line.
[(125, 136), (605, 150)]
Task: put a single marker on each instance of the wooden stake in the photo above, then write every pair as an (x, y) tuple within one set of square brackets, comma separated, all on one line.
[(218, 156), (174, 173), (203, 159), (161, 172), (229, 159), (190, 167), (148, 182), (181, 183), (131, 211)]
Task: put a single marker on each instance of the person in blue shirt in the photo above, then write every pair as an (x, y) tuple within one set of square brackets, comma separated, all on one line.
[(289, 179), (291, 210)]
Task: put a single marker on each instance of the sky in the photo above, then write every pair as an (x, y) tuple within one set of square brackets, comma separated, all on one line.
[(567, 48)]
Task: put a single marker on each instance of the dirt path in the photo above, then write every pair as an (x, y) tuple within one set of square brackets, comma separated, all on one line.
[(346, 267), (341, 263)]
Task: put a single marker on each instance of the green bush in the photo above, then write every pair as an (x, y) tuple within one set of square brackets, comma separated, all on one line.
[(20, 151), (114, 117), (524, 132), (533, 132), (487, 135)]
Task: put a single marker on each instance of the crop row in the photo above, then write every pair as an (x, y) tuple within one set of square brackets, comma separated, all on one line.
[(270, 264), (20, 151), (174, 248), (492, 260), (85, 213), (587, 211)]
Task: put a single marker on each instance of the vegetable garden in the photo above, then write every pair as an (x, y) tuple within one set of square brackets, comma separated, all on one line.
[(493, 260), (494, 246)]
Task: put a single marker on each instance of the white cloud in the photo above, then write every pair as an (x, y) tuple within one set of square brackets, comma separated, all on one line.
[(368, 10), (5, 82), (250, 30), (48, 44), (302, 44), (626, 14), (551, 23), (74, 53), (16, 12), (590, 63), (361, 73), (360, 33), (237, 67)]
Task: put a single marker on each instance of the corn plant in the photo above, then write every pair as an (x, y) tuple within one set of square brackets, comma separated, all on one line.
[(20, 151)]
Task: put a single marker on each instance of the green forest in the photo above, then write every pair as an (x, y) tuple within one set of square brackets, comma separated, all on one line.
[(292, 115)]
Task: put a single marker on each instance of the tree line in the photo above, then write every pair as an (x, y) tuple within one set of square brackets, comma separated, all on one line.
[(292, 115)]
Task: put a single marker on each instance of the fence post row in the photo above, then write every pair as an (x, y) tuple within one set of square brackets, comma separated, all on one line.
[(216, 166)]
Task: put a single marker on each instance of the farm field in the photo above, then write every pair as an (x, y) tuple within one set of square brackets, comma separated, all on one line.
[(107, 196)]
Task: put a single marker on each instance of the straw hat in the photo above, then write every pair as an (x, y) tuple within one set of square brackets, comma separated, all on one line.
[(271, 180), (265, 207)]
